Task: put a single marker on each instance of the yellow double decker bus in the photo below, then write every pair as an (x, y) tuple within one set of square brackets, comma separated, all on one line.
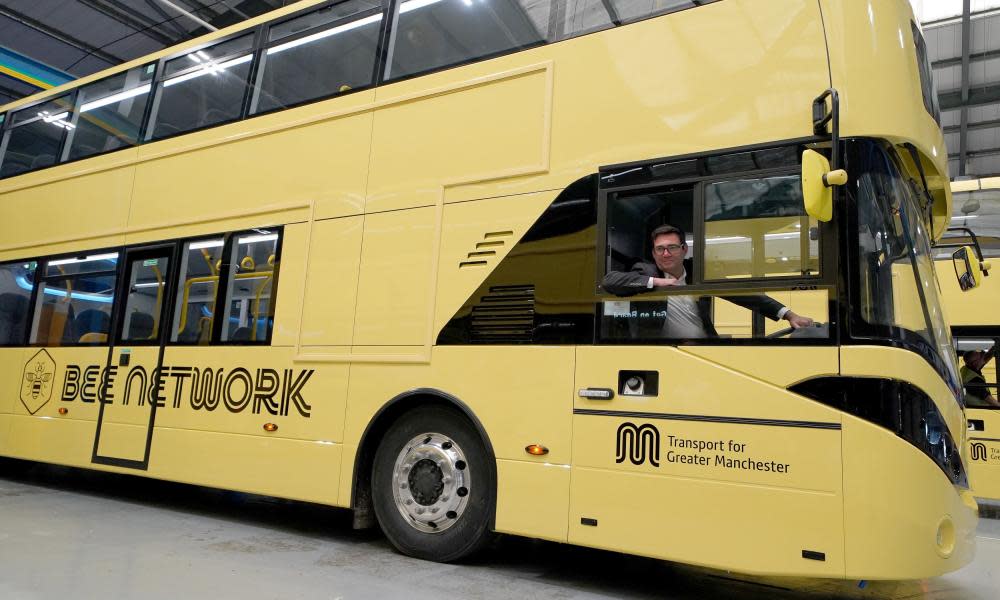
[(975, 320), (352, 253)]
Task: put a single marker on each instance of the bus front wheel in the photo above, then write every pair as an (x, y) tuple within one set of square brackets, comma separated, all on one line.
[(434, 490)]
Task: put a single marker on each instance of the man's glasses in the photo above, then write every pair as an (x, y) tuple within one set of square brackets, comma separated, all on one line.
[(670, 249)]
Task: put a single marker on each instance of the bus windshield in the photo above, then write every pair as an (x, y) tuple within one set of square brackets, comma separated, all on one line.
[(897, 284)]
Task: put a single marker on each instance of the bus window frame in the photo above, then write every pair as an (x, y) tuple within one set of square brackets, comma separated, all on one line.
[(828, 231), (255, 33), (390, 8), (41, 278), (142, 123), (8, 126), (32, 298), (385, 7), (959, 333), (128, 254), (830, 234), (855, 331), (221, 304), (700, 227)]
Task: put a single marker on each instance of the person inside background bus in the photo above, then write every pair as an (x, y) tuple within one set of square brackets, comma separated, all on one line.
[(687, 317), (977, 395)]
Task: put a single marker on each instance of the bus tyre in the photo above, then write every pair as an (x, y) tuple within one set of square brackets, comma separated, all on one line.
[(433, 487)]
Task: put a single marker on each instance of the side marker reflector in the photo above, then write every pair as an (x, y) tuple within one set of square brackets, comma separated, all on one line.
[(536, 450)]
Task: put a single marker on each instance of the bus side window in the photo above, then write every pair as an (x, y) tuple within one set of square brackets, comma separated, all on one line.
[(196, 292), (202, 88), (75, 296), (251, 282), (322, 53), (34, 136), (431, 35), (632, 217), (16, 282), (756, 227), (109, 113)]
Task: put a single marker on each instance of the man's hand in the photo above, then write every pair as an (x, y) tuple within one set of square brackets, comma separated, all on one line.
[(798, 321), (667, 281)]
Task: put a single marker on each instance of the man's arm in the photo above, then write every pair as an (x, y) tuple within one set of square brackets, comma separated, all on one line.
[(770, 308), (631, 282), (765, 305)]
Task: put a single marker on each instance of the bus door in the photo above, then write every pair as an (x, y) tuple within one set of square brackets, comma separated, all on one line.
[(980, 353), (133, 386)]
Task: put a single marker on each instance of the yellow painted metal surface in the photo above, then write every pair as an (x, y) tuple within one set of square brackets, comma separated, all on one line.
[(13, 365), (779, 366), (983, 452), (873, 65), (331, 281), (708, 469), (977, 307), (384, 194), (894, 502), (533, 499), (395, 284)]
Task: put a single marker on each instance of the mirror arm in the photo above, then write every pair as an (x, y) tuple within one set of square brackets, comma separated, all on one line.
[(972, 235), (821, 118)]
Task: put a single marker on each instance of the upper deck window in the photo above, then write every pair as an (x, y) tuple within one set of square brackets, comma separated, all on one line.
[(109, 113), (202, 88), (34, 136), (926, 74), (431, 34), (322, 53)]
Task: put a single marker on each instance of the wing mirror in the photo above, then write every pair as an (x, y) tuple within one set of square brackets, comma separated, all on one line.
[(968, 269), (817, 184)]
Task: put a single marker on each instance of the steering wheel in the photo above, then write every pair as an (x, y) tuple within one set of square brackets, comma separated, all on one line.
[(805, 331)]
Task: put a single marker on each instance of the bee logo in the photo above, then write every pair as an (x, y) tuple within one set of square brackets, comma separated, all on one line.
[(36, 386)]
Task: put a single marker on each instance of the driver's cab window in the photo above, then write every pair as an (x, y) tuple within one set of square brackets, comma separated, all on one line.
[(699, 261), (978, 359)]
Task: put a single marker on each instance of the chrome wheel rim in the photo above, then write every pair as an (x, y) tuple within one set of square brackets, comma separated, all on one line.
[(431, 482)]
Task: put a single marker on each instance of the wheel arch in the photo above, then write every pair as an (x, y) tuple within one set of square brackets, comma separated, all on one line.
[(389, 413)]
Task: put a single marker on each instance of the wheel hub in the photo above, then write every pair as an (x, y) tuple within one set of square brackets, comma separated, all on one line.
[(431, 482)]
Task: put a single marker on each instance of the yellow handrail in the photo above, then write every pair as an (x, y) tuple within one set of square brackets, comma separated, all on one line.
[(213, 278)]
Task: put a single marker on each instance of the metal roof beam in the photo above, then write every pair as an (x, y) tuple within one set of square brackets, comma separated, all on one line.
[(130, 18), (55, 34), (189, 15), (963, 131), (952, 99), (995, 123), (977, 153), (957, 60), (30, 71)]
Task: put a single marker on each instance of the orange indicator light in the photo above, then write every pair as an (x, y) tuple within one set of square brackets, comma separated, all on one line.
[(63, 410), (270, 427), (536, 450)]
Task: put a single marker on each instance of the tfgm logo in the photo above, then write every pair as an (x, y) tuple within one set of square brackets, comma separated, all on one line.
[(978, 451), (36, 385), (637, 444)]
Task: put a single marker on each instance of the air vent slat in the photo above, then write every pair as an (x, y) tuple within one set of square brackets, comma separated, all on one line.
[(505, 315)]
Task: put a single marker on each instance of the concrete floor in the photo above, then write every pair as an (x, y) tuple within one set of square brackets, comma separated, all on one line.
[(67, 533)]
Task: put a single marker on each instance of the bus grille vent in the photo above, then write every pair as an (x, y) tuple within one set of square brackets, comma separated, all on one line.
[(505, 315), (486, 249)]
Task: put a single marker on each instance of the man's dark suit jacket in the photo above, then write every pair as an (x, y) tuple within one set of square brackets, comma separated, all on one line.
[(636, 280)]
